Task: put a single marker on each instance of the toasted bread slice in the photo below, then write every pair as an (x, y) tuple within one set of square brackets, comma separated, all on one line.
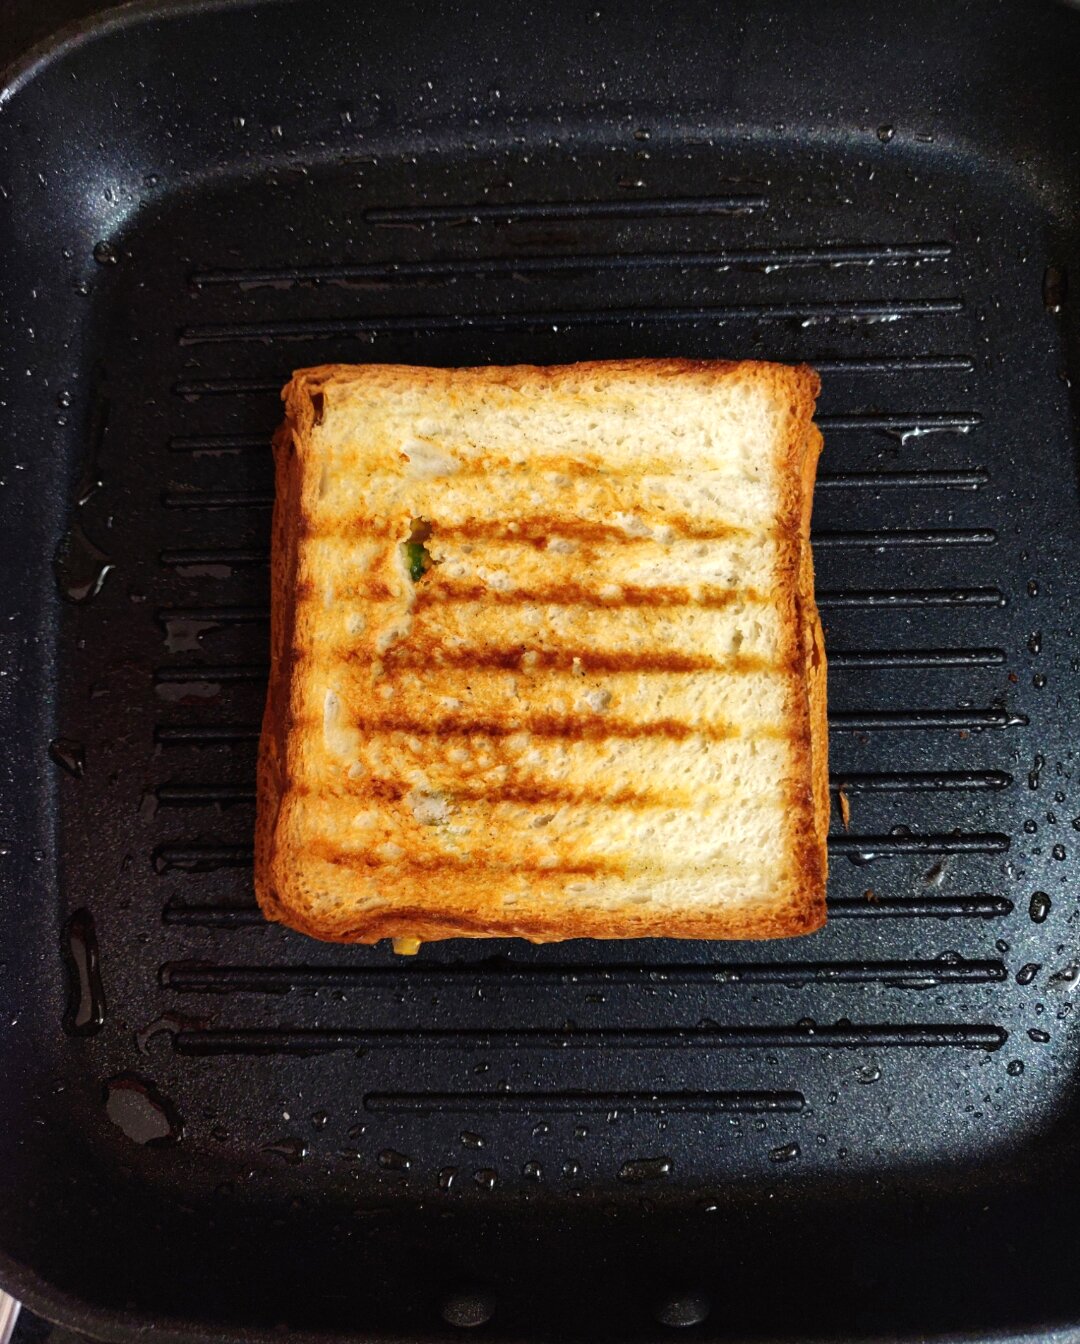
[(545, 661)]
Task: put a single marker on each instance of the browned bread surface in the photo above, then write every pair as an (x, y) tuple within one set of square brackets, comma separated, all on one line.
[(600, 711)]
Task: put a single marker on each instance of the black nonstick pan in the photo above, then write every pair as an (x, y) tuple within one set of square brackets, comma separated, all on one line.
[(214, 1128)]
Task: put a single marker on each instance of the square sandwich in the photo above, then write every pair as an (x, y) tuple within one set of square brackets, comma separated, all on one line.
[(545, 660)]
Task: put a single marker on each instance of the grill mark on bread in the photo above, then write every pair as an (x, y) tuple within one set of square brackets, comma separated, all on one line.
[(541, 725), (590, 661), (319, 848), (581, 595), (529, 793), (562, 726), (537, 529), (518, 658), (437, 590), (471, 463)]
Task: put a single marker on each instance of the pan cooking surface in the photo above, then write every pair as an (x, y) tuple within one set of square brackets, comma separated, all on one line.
[(218, 1122)]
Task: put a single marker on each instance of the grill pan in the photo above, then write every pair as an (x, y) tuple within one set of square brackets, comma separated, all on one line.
[(210, 1126)]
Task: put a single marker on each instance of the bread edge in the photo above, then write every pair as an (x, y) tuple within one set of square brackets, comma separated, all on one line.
[(272, 768)]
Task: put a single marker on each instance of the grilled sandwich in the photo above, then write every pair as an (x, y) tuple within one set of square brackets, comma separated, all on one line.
[(545, 658)]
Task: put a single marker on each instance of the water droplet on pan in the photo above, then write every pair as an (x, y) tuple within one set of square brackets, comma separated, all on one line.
[(291, 1150), (640, 1169), (137, 1108), (681, 1309), (168, 1023), (80, 567), (1055, 288), (86, 1000), (69, 754), (391, 1160), (468, 1310)]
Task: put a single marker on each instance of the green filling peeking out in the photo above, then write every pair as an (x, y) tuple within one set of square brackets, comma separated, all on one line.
[(417, 557)]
